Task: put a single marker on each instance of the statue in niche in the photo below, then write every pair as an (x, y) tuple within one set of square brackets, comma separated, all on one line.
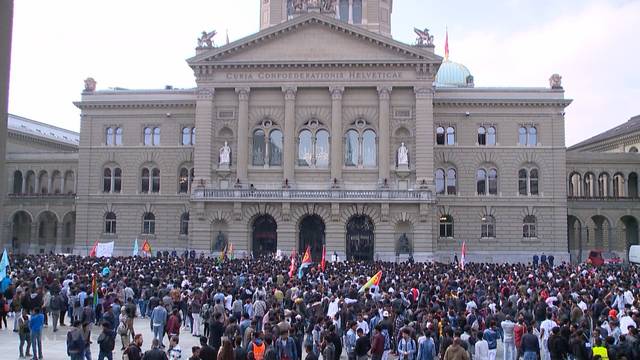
[(403, 244), (225, 154), (221, 242), (403, 155)]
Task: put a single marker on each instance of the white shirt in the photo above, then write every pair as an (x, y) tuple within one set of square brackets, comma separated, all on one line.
[(333, 308), (482, 350), (625, 322), (364, 326), (547, 325)]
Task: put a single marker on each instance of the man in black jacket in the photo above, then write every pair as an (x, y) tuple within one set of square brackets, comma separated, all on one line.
[(216, 330), (362, 345), (558, 345), (106, 342), (155, 353), (134, 351), (206, 351)]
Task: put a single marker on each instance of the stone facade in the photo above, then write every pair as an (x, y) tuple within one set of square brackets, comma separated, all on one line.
[(314, 110)]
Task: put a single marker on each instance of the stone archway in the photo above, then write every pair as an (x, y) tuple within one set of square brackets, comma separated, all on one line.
[(360, 238), (574, 238), (630, 231), (264, 238), (21, 231), (68, 233), (47, 232), (311, 233), (601, 232)]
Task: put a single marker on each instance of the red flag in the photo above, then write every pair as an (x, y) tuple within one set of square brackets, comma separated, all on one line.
[(306, 259), (324, 254), (146, 247), (463, 254), (92, 253), (446, 46)]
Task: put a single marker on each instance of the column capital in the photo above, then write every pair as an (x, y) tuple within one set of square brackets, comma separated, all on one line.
[(243, 93), (289, 92), (384, 92), (423, 92), (205, 93), (336, 92)]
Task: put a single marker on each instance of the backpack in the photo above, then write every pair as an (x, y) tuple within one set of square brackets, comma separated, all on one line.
[(108, 343), (122, 329)]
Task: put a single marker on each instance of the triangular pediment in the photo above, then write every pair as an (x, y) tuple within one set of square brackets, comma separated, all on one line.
[(315, 38)]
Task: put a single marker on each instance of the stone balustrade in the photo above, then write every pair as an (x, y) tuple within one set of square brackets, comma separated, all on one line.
[(313, 195)]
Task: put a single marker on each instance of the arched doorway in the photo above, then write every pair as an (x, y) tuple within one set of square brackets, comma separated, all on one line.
[(21, 232), (311, 233), (633, 185), (68, 233), (47, 231), (264, 235), (574, 238), (601, 231), (630, 231), (219, 240), (360, 238)]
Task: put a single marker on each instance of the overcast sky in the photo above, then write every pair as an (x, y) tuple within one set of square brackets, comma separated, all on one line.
[(138, 44)]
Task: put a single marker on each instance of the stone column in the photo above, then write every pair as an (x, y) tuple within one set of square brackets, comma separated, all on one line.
[(203, 162), (242, 160), (57, 246), (6, 27), (289, 157), (24, 183), (336, 133), (424, 136), (384, 94)]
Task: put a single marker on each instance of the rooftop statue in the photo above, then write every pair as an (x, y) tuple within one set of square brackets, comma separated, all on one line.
[(555, 81), (89, 85), (424, 39), (206, 39)]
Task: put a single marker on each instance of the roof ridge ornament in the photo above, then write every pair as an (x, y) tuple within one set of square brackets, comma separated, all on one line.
[(206, 39), (555, 82), (424, 39)]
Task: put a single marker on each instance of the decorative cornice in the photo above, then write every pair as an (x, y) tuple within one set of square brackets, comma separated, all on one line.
[(89, 105), (423, 92), (502, 102), (40, 140), (205, 94)]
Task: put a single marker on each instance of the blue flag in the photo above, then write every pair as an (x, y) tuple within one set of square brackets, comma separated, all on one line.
[(3, 265), (135, 248)]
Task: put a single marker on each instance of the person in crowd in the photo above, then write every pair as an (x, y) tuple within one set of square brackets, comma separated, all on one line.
[(106, 342), (75, 341), (24, 334), (155, 353), (174, 352), (134, 350), (36, 323)]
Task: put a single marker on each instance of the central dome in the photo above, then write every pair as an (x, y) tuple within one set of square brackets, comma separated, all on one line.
[(452, 74)]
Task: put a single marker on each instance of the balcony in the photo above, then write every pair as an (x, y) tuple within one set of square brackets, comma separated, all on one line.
[(602, 198), (286, 195), (41, 196)]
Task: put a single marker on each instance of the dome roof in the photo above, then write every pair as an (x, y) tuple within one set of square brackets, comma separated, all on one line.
[(452, 74)]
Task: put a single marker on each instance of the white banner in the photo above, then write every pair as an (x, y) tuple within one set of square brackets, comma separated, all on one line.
[(104, 249)]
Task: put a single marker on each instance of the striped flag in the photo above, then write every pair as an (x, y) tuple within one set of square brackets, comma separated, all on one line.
[(463, 254), (446, 46), (94, 291), (92, 253), (306, 261), (292, 267), (146, 247), (324, 254), (374, 280)]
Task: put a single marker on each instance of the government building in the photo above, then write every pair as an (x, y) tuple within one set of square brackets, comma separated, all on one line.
[(322, 130)]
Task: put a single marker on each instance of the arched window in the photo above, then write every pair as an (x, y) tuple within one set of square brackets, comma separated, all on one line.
[(17, 182), (148, 139), (533, 182), (357, 11), (110, 223), (633, 149), (69, 182), (603, 185), (31, 182), (184, 224), (482, 136), (186, 136), (360, 146), (451, 135), (618, 185), (109, 137), (529, 227), (118, 136), (574, 185), (106, 180), (481, 182), (369, 149), (522, 135), (156, 136), (523, 180), (117, 180), (439, 135), (322, 149), (313, 146), (589, 185), (493, 182), (446, 226), (148, 223), (145, 180), (275, 148), (351, 148), (440, 178), (488, 227), (259, 147), (491, 136), (344, 10), (44, 182), (155, 180), (184, 180), (193, 136), (305, 152), (451, 181), (533, 136)]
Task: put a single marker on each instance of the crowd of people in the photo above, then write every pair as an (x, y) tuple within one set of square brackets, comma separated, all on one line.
[(251, 309)]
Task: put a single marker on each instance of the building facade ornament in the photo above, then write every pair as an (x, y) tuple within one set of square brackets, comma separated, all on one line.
[(384, 92), (89, 85), (424, 38), (290, 92), (336, 92), (206, 39), (555, 81), (243, 93), (225, 154)]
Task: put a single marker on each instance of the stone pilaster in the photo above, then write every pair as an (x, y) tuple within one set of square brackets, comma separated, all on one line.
[(384, 95), (336, 133), (6, 27), (289, 157), (243, 133), (424, 135), (203, 161)]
